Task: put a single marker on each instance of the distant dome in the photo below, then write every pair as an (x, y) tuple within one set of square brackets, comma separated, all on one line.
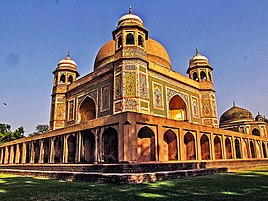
[(155, 52), (259, 117), (236, 114)]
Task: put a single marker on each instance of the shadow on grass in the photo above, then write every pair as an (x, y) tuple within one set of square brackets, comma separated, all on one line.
[(250, 185)]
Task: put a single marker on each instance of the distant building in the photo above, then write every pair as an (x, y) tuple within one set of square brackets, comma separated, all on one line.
[(134, 108)]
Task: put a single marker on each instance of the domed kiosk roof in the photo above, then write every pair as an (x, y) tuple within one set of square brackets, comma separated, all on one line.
[(236, 114)]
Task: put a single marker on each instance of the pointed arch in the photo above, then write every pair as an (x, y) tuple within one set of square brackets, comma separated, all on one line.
[(203, 75), (205, 147), (110, 145), (177, 108), (195, 76), (71, 145), (70, 79), (87, 109), (88, 147), (171, 140), (62, 79), (256, 132), (130, 39), (146, 145), (237, 149), (217, 148), (228, 149), (252, 150), (189, 143)]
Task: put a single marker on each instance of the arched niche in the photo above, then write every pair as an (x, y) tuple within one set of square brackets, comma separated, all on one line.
[(189, 143), (195, 76), (217, 148), (237, 149), (171, 141), (71, 144), (62, 79), (228, 149), (140, 41), (256, 132), (88, 147), (130, 39), (205, 147), (177, 108), (203, 75), (87, 109), (252, 150), (146, 145), (110, 145), (57, 149)]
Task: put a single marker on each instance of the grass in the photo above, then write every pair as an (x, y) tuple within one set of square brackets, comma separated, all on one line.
[(244, 185)]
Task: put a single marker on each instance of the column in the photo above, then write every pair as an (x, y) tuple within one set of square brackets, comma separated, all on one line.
[(23, 154), (78, 147), (41, 152), (223, 149), (1, 155), (6, 155), (65, 149), (233, 147), (198, 145), (32, 152), (17, 159), (51, 150), (212, 146)]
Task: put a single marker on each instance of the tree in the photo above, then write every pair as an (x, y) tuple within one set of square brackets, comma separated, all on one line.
[(40, 129), (7, 135)]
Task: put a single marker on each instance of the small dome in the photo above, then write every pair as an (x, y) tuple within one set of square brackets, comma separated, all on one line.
[(259, 117), (236, 114), (155, 53), (130, 19), (67, 62)]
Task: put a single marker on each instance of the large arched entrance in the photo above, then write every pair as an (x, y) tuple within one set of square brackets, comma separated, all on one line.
[(36, 151), (88, 147), (189, 143), (71, 142), (264, 151), (228, 149), (237, 149), (57, 150), (205, 150), (171, 141), (87, 109), (252, 149), (146, 145), (217, 148), (110, 142), (46, 150), (177, 108)]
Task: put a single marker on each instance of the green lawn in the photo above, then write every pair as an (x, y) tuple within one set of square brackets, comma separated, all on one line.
[(245, 185)]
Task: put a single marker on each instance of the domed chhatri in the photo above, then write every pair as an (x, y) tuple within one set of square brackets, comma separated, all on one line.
[(67, 62), (236, 114)]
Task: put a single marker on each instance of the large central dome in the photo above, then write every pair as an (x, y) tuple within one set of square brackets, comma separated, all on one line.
[(156, 53)]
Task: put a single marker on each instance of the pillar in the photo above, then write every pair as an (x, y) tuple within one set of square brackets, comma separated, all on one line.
[(223, 148), (32, 152), (51, 150), (212, 146), (23, 154), (65, 149), (78, 147), (17, 158), (41, 151), (198, 145)]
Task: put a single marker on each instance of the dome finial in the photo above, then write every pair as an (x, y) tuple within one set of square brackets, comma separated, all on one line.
[(196, 51), (233, 103), (130, 9), (69, 53)]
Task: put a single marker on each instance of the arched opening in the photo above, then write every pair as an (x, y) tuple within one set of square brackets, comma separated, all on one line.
[(87, 109), (245, 149), (110, 140), (205, 150), (3, 157), (195, 76), (28, 151), (237, 149), (217, 148), (71, 142), (189, 143), (264, 151), (252, 149), (70, 79), (140, 41), (177, 108), (203, 75), (88, 147), (171, 140), (228, 149), (209, 76), (9, 154), (21, 153), (62, 79), (119, 42), (256, 132), (146, 145), (130, 39), (36, 151), (57, 150), (46, 150)]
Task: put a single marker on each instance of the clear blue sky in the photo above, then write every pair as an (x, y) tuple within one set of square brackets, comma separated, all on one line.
[(35, 35)]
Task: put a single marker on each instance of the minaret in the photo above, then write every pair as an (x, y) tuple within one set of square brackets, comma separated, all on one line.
[(65, 74), (200, 70)]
